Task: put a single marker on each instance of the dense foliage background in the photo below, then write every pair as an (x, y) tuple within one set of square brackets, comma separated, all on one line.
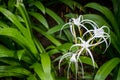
[(31, 45)]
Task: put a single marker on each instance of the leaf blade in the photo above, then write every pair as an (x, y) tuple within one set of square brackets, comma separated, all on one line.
[(106, 68)]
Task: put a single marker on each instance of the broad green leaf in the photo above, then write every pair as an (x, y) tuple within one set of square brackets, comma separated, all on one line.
[(39, 71), (40, 6), (20, 18), (4, 52), (53, 51), (2, 24), (14, 34), (46, 64), (106, 68), (10, 61), (54, 16), (25, 16), (87, 60), (14, 20), (40, 18), (13, 71), (20, 70), (105, 11), (64, 47), (51, 38)]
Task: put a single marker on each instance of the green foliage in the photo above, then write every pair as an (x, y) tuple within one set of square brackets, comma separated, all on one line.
[(110, 18), (106, 68), (23, 55)]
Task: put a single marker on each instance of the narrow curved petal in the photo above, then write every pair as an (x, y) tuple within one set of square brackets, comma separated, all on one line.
[(82, 68), (63, 27), (63, 57), (91, 57), (92, 23)]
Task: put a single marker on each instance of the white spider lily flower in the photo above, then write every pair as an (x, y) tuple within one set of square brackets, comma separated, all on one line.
[(80, 23), (100, 33), (76, 21), (73, 59), (85, 45)]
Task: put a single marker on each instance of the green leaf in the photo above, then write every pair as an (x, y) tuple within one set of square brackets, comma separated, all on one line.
[(55, 29), (10, 61), (87, 60), (69, 3), (40, 18), (38, 69), (25, 16), (4, 52), (14, 34), (71, 15), (40, 6), (11, 4), (64, 47), (53, 51), (14, 20), (20, 54), (46, 64), (106, 68), (32, 77), (2, 24), (114, 39), (68, 35), (51, 38), (39, 46), (54, 16), (6, 71), (118, 75)]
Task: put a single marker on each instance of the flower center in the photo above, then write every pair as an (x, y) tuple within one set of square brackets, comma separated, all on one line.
[(85, 44), (73, 58), (99, 32), (76, 21)]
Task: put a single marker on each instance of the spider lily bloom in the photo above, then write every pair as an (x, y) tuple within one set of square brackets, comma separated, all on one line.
[(73, 59), (80, 23), (85, 45), (75, 22), (101, 34)]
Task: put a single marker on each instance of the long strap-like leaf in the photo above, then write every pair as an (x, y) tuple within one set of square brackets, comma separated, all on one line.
[(106, 68)]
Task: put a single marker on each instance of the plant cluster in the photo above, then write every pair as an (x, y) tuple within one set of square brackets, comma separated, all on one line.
[(83, 42), (26, 25)]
